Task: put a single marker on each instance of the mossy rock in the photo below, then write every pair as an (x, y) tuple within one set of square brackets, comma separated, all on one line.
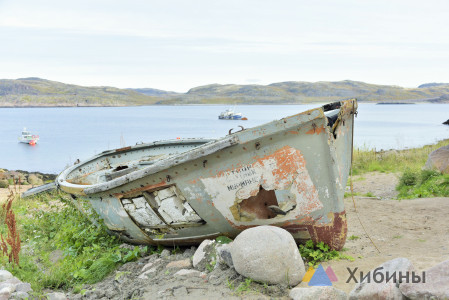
[(4, 183), (34, 179)]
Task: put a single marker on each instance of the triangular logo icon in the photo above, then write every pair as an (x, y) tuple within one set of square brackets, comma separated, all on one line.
[(320, 278)]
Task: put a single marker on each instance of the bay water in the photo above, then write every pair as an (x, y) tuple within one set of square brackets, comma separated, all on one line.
[(70, 133)]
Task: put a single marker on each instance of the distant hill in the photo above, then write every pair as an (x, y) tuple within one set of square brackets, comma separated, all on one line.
[(41, 92), (306, 92), (154, 92), (432, 84)]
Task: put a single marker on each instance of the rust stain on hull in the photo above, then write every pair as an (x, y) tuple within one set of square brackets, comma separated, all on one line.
[(141, 189), (316, 130), (333, 234)]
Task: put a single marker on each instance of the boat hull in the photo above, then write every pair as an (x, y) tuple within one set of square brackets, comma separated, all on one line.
[(289, 173), (31, 141), (230, 118)]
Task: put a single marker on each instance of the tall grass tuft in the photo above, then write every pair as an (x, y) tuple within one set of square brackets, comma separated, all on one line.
[(423, 184), (10, 245), (49, 224), (370, 160)]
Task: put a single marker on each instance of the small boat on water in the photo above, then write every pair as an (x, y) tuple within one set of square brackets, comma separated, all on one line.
[(290, 173), (230, 114), (28, 138)]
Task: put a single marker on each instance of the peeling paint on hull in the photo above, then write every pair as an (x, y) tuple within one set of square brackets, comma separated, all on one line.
[(289, 173)]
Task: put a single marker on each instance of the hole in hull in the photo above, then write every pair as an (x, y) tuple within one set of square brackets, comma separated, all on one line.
[(256, 207)]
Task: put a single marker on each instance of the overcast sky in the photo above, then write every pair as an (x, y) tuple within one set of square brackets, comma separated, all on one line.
[(176, 45)]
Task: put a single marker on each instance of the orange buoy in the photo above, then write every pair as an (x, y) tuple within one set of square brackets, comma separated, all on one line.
[(244, 119)]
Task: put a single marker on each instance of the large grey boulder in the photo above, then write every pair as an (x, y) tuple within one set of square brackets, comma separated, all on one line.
[(317, 293), (375, 288), (268, 254), (436, 285), (439, 160)]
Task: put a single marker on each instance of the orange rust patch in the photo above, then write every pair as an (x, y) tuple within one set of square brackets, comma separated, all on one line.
[(141, 189), (307, 220), (293, 132), (123, 149), (316, 130), (288, 161)]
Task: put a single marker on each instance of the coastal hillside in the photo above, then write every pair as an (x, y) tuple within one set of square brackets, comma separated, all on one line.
[(306, 92), (154, 92), (41, 92)]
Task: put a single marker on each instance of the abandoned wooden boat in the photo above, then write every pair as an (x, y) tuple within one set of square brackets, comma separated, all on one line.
[(289, 173)]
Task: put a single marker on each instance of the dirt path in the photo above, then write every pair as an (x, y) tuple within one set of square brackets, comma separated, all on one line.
[(415, 229), (19, 189)]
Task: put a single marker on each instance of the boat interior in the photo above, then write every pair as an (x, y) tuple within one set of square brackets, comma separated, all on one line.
[(113, 164)]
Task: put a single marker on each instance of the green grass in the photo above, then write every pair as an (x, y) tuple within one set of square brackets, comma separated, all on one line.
[(245, 287), (366, 160), (314, 254), (48, 223), (223, 240), (423, 184), (414, 182)]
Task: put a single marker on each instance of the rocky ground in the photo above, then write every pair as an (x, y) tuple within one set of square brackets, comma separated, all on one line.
[(414, 229), (20, 181)]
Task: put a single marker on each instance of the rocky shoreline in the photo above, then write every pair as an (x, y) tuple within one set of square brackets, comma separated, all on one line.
[(20, 177)]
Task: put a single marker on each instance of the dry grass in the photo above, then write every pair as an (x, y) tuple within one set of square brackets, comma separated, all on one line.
[(10, 246)]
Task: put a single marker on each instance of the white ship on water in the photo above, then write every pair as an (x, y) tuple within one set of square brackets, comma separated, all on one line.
[(28, 138)]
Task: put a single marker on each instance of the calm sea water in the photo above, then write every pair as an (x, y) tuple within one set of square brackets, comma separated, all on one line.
[(71, 133)]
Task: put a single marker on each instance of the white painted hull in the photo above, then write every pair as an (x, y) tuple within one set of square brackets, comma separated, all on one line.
[(28, 141)]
